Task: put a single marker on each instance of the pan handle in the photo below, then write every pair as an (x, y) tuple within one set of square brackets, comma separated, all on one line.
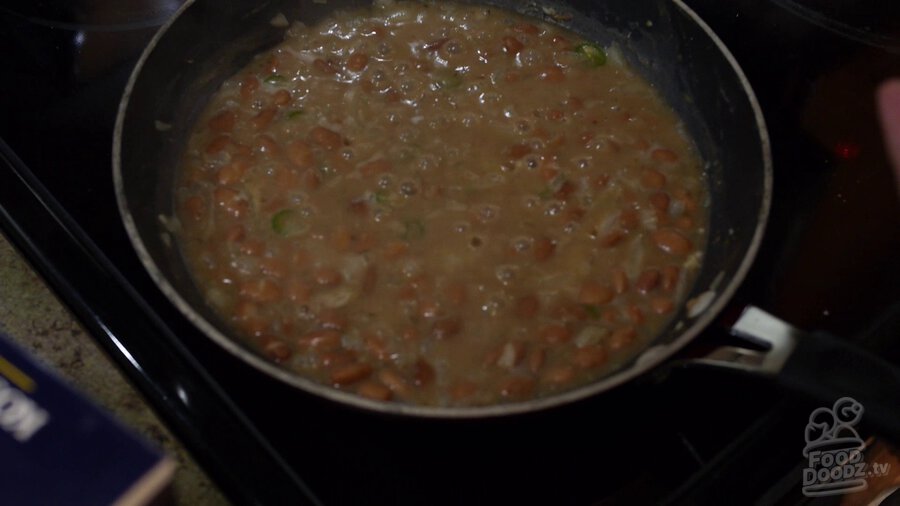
[(818, 366)]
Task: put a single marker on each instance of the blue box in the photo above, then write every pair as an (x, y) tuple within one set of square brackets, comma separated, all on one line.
[(57, 447)]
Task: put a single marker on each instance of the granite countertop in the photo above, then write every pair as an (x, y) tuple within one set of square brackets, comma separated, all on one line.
[(34, 318)]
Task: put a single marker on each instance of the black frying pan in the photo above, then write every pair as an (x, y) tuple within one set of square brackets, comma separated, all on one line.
[(663, 40)]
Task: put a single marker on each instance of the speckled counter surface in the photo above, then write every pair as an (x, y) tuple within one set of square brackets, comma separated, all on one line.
[(33, 317)]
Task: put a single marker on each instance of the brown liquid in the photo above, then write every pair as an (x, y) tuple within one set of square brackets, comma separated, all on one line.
[(441, 205)]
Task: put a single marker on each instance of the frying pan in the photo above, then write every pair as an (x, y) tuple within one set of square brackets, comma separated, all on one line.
[(663, 40)]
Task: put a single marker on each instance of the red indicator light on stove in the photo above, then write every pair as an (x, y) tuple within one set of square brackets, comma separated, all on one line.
[(846, 150)]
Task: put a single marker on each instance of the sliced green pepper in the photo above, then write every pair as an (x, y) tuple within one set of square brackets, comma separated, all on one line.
[(296, 113), (446, 79), (289, 222), (382, 198), (594, 54), (592, 311), (413, 229), (274, 78)]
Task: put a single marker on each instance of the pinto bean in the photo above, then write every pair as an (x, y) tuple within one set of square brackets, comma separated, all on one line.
[(223, 122), (231, 200), (456, 293), (517, 387), (570, 311), (410, 334), (653, 179), (647, 281), (429, 308), (249, 85), (635, 314), (610, 315), (660, 201), (363, 242), (376, 346), (328, 139), (590, 357), (490, 358), (337, 358), (612, 238), (684, 223), (595, 294), (328, 276), (235, 233), (195, 207), (359, 207), (276, 350), (281, 97), (573, 213), (685, 197), (350, 373), (374, 390), (555, 334), (261, 290), (375, 167), (369, 280), (629, 218), (253, 326), (332, 319), (435, 44), (298, 291), (265, 144), (527, 306), (527, 28), (217, 145), (341, 238), (395, 249), (320, 340), (395, 381), (300, 154), (669, 277), (357, 61), (548, 173), (233, 172), (662, 305), (423, 373), (462, 390), (621, 338), (543, 249), (325, 66), (565, 190), (253, 248), (558, 375), (664, 155), (446, 328), (672, 241), (517, 151), (263, 118), (552, 74), (512, 46)]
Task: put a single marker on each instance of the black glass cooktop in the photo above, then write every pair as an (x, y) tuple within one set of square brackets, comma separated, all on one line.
[(829, 261)]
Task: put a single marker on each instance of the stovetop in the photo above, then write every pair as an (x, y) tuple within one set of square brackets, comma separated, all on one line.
[(828, 262)]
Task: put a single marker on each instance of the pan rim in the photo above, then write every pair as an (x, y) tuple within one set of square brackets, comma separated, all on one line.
[(649, 358)]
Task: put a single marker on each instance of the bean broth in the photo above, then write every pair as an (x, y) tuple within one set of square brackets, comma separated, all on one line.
[(441, 204)]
